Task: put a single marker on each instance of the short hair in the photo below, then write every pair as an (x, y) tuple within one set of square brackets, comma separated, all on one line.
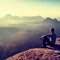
[(52, 29)]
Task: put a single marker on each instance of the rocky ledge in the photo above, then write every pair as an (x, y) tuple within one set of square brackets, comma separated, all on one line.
[(37, 54)]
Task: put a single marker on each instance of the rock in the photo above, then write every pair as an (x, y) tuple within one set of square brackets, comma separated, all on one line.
[(37, 54)]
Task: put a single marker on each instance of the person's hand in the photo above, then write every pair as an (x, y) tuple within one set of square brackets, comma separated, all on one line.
[(42, 36)]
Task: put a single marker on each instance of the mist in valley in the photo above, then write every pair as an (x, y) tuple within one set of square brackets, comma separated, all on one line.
[(21, 33)]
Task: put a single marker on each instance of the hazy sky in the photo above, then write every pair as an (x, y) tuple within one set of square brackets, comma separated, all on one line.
[(30, 7)]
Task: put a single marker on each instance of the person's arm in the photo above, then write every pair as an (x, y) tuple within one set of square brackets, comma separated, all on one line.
[(48, 35), (42, 36)]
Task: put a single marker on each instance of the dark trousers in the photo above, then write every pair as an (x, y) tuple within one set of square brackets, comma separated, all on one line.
[(46, 41)]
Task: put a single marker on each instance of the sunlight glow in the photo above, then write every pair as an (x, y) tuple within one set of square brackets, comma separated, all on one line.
[(30, 7)]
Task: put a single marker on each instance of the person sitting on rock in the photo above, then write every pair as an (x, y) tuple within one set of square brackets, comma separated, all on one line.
[(49, 39)]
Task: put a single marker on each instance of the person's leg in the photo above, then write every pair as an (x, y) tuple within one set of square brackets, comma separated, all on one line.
[(49, 42), (53, 44), (44, 43)]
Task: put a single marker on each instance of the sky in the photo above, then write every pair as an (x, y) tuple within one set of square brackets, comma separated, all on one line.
[(44, 8)]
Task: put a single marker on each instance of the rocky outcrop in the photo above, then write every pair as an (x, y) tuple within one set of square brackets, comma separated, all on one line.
[(37, 54)]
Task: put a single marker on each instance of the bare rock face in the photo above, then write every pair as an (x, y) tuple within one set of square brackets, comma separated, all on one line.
[(37, 54)]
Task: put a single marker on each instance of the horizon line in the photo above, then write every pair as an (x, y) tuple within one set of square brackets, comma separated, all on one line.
[(30, 16)]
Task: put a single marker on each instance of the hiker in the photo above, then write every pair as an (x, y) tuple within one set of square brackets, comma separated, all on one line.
[(49, 39)]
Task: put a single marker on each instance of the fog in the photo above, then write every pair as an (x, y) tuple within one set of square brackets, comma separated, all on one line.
[(25, 33)]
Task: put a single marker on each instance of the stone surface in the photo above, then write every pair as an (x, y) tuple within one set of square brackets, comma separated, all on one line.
[(37, 54)]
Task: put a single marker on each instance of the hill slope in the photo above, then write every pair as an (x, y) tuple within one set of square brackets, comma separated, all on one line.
[(37, 54)]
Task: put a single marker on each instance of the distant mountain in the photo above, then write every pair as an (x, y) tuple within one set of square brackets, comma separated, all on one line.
[(29, 19), (32, 18), (50, 20), (10, 17)]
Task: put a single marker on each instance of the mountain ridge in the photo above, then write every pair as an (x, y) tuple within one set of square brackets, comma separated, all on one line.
[(48, 19), (9, 16)]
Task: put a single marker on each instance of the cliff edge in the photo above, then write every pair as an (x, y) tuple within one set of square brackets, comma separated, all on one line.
[(37, 54)]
